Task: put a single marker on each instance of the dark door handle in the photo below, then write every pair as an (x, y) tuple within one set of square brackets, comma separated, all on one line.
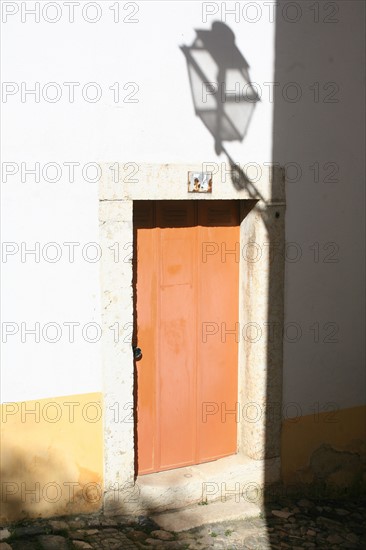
[(137, 353)]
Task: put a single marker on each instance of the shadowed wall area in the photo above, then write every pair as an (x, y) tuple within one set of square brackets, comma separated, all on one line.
[(318, 136)]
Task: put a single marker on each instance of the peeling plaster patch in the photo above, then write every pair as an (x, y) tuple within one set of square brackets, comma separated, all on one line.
[(328, 454), (333, 468), (326, 460)]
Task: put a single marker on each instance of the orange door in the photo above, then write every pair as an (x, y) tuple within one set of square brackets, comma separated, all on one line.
[(186, 323)]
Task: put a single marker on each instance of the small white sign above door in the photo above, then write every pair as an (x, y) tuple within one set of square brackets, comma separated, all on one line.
[(199, 182)]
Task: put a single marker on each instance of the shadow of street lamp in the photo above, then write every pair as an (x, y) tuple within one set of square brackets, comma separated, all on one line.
[(223, 96)]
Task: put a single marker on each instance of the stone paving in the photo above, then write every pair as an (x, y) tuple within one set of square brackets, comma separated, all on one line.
[(288, 524)]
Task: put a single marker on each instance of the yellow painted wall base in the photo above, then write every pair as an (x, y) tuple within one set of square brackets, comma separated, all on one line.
[(326, 447), (51, 457), (52, 454)]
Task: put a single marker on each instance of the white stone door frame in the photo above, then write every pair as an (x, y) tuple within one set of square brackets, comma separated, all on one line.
[(261, 299)]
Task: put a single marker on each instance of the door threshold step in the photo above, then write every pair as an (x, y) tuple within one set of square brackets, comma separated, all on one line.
[(238, 478), (197, 515)]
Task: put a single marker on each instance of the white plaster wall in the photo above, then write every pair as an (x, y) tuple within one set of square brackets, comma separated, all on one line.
[(160, 127), (49, 292)]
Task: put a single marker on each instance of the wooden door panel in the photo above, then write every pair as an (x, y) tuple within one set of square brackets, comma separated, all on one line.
[(175, 294), (176, 353), (218, 313), (145, 380)]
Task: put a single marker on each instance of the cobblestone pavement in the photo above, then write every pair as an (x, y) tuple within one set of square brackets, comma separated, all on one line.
[(295, 524)]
